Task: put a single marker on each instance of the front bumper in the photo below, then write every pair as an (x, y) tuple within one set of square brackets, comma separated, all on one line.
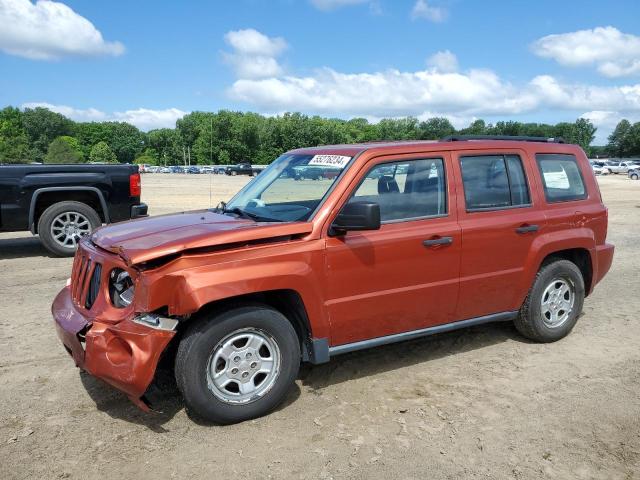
[(140, 210), (124, 354)]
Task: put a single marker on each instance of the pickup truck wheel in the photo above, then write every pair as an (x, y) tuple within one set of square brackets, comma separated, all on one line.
[(634, 176), (237, 365), (63, 224), (554, 303)]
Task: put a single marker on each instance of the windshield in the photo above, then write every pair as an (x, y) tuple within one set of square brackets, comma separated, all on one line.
[(290, 189)]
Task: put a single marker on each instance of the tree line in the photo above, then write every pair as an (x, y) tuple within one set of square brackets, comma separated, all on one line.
[(227, 137)]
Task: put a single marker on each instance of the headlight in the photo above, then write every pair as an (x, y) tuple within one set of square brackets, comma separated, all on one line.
[(121, 288)]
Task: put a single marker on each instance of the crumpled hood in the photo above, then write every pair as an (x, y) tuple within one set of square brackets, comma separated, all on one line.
[(153, 237)]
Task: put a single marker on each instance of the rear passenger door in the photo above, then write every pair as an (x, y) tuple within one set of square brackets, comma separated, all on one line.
[(500, 216), (404, 276)]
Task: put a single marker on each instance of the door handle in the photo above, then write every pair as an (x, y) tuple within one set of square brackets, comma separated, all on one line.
[(438, 241), (527, 229)]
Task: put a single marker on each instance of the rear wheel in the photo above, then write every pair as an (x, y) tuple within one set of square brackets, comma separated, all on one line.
[(237, 365), (634, 176), (554, 303), (63, 224)]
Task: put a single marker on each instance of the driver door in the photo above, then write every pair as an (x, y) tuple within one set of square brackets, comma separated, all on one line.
[(404, 276)]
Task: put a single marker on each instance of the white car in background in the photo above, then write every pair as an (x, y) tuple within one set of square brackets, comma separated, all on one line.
[(621, 167), (599, 168)]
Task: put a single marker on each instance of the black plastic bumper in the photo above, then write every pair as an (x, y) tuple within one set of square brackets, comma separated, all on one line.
[(139, 210)]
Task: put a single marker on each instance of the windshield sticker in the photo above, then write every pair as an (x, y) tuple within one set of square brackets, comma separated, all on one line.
[(336, 161)]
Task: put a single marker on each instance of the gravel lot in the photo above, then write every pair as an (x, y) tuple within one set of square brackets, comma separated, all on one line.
[(479, 403)]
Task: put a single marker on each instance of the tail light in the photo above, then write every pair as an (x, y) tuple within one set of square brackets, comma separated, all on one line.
[(135, 187)]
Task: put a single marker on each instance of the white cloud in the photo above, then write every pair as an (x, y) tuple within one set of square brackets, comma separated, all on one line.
[(443, 61), (606, 121), (80, 115), (252, 42), (143, 118), (422, 10), (613, 53), (254, 54), (327, 5), (147, 119), (49, 30)]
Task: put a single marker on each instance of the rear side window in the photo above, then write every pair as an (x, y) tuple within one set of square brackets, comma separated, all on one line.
[(493, 182), (561, 177)]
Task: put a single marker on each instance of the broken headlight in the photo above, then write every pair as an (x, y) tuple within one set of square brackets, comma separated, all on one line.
[(121, 288)]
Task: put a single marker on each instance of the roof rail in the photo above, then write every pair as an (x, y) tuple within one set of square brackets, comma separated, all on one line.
[(517, 138)]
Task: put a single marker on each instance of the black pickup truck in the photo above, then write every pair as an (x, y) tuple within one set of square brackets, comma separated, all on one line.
[(61, 203)]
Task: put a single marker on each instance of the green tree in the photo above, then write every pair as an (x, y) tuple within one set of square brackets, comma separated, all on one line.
[(149, 157), (620, 140), (64, 149), (126, 141), (42, 127), (435, 128), (14, 142), (101, 153), (164, 146)]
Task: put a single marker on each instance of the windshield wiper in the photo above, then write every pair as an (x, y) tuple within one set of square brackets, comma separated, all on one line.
[(252, 216), (241, 213)]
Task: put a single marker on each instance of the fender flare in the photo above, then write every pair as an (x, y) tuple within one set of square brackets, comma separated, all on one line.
[(552, 242), (36, 194)]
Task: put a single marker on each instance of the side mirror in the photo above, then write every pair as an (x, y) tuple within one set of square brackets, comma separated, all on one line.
[(356, 216)]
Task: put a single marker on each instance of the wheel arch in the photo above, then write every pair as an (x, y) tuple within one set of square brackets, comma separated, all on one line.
[(577, 247), (43, 198)]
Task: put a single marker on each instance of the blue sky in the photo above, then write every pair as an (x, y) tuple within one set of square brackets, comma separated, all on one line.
[(149, 62)]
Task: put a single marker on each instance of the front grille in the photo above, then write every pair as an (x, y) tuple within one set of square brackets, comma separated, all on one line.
[(85, 280)]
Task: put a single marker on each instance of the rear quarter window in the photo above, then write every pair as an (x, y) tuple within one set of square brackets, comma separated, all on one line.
[(561, 177)]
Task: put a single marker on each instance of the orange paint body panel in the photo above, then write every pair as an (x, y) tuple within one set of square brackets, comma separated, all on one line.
[(353, 287)]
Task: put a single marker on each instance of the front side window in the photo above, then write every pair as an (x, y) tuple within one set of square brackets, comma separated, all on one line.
[(561, 177), (493, 182), (290, 189), (405, 190)]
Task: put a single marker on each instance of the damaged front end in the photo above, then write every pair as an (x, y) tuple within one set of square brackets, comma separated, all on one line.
[(96, 322)]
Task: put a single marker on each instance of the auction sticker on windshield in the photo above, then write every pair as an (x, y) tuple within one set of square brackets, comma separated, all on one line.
[(336, 161)]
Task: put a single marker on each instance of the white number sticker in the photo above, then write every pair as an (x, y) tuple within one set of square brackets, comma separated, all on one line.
[(337, 161)]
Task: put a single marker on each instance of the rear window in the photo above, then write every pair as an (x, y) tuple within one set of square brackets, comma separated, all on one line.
[(493, 182), (561, 177)]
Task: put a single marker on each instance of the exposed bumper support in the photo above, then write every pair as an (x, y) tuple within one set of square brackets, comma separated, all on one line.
[(140, 210), (124, 354)]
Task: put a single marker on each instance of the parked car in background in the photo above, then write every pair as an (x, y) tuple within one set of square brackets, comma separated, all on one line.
[(634, 173), (240, 169), (460, 232), (63, 203), (621, 167), (165, 170), (599, 168), (192, 170)]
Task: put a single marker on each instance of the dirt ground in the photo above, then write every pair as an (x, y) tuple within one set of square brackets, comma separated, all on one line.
[(478, 403)]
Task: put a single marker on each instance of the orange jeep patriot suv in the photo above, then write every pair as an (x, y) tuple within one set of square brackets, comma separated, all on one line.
[(335, 249)]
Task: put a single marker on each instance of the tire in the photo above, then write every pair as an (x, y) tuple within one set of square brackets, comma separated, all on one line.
[(535, 320), (233, 173), (634, 176), (82, 218), (201, 356), (610, 172)]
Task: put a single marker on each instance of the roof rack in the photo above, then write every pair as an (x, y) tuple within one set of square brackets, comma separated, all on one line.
[(517, 138)]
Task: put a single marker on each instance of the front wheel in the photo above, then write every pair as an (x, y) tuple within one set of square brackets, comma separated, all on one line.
[(237, 365), (554, 303)]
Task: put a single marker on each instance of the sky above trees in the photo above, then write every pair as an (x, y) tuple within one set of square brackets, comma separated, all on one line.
[(149, 63)]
